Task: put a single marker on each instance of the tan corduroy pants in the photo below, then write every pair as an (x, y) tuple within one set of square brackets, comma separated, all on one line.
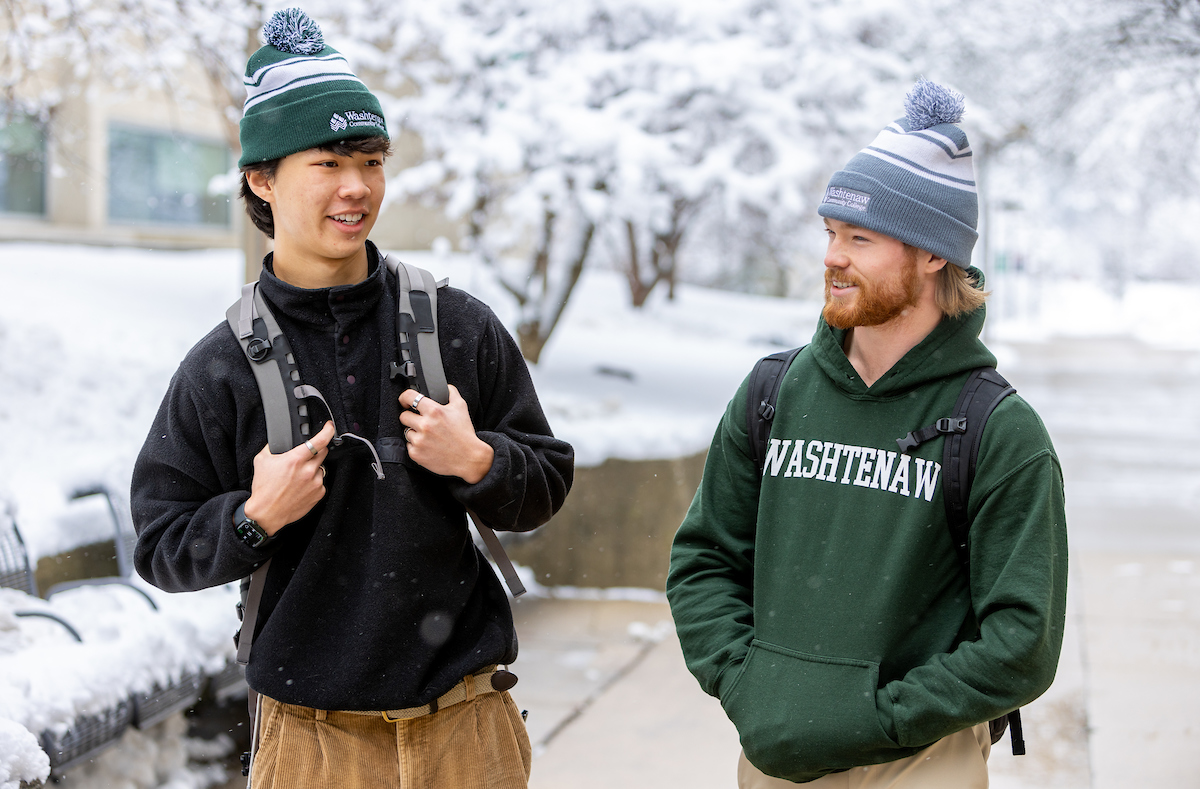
[(474, 744), (955, 762)]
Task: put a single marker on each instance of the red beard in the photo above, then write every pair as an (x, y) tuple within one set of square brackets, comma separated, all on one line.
[(876, 302)]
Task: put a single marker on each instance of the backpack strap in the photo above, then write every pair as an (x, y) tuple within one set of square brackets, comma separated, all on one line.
[(421, 367), (274, 367), (983, 391), (761, 397), (980, 395), (416, 327)]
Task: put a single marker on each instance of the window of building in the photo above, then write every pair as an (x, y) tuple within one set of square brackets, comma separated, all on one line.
[(22, 164), (160, 177)]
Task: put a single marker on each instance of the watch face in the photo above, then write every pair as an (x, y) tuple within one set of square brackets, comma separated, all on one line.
[(250, 533)]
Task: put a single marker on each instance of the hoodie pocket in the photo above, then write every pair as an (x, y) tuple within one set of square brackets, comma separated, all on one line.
[(801, 716)]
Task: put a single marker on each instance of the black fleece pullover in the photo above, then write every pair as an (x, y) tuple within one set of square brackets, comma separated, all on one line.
[(377, 599)]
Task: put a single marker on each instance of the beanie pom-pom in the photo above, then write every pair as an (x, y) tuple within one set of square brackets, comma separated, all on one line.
[(292, 31), (929, 104)]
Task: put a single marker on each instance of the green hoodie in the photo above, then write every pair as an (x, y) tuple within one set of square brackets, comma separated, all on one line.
[(826, 608)]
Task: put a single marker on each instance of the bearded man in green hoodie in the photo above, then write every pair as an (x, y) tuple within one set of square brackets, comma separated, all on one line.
[(823, 602)]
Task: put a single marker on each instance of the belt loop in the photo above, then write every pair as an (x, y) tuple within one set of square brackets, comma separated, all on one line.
[(469, 681), (321, 714)]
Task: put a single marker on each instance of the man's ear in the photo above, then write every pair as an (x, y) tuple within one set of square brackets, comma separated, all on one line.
[(261, 185), (931, 263)]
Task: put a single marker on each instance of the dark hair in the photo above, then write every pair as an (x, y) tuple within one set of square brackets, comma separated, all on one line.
[(259, 210)]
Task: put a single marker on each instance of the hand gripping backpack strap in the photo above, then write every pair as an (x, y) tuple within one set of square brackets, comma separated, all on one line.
[(416, 327), (421, 366), (275, 373), (761, 396)]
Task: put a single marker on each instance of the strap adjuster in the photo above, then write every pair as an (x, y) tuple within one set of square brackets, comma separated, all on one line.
[(407, 369), (766, 410), (948, 425)]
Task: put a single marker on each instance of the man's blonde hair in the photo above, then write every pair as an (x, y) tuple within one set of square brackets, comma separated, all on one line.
[(957, 292)]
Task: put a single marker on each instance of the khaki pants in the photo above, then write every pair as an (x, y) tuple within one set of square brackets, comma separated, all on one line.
[(474, 744), (955, 762)]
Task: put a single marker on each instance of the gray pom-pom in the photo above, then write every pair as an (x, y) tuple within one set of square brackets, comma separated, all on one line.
[(929, 104), (291, 31)]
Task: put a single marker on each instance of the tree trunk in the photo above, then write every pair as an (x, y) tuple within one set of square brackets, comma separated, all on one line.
[(532, 333), (531, 340)]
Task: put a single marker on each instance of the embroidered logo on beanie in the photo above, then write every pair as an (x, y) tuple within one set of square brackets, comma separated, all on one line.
[(847, 198), (297, 78), (915, 182)]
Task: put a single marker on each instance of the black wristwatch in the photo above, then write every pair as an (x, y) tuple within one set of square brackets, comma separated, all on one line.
[(250, 532)]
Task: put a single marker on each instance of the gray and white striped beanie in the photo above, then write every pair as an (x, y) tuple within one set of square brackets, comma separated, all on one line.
[(301, 94), (916, 181)]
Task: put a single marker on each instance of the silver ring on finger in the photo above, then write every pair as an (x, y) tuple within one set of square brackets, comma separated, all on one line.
[(406, 433), (322, 467), (416, 401), (310, 446)]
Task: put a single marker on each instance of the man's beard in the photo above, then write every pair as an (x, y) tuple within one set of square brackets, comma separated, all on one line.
[(877, 302)]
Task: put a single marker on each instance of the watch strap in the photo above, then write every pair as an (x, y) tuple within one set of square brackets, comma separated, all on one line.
[(248, 529)]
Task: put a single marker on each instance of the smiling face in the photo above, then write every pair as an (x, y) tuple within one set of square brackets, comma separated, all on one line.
[(870, 278), (324, 205)]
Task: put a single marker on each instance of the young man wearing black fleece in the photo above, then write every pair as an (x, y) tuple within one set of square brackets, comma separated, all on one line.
[(381, 625)]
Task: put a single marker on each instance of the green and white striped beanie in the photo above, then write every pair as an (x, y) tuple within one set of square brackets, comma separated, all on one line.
[(301, 94), (916, 181)]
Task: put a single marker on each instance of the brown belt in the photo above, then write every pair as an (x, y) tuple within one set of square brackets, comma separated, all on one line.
[(489, 680)]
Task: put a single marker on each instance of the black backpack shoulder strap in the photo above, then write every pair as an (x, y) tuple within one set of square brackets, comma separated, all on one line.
[(983, 391), (761, 396), (980, 395)]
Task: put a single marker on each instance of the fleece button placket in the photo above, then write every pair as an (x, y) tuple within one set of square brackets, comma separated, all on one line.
[(352, 346)]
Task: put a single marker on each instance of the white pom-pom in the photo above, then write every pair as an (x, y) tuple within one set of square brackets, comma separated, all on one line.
[(292, 31), (929, 104)]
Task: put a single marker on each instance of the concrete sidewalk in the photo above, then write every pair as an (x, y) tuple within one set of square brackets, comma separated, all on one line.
[(611, 703), (610, 708)]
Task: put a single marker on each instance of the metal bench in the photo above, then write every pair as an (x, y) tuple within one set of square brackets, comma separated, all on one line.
[(227, 683), (160, 702), (87, 735)]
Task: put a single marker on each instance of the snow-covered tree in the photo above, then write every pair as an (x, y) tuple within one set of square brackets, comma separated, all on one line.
[(1089, 120), (550, 127), (192, 51)]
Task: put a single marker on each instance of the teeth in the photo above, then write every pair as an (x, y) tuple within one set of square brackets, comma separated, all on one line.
[(349, 219), (837, 284)]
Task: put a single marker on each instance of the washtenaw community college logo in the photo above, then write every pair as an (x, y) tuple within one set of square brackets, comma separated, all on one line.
[(356, 118), (847, 198)]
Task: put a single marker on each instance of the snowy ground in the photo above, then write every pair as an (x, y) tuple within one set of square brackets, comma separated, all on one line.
[(90, 337)]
